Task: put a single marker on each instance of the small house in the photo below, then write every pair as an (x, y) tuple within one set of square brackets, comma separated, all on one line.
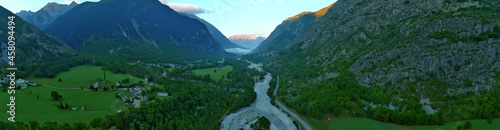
[(73, 108), (117, 84), (151, 83), (20, 81), (124, 98), (32, 83), (118, 111), (96, 85), (137, 103), (24, 86), (163, 94)]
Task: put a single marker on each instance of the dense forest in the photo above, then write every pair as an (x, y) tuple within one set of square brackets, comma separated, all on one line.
[(343, 94)]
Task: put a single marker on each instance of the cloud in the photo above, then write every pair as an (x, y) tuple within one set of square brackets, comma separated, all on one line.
[(279, 1), (186, 8)]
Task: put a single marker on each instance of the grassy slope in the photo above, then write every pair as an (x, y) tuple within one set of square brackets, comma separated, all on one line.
[(369, 124), (342, 124), (214, 75), (366, 124), (28, 107), (82, 76)]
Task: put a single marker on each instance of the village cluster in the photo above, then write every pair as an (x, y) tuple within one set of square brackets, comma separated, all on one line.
[(20, 83)]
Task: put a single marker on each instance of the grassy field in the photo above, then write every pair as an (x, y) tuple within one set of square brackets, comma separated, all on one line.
[(214, 75), (28, 107), (82, 76), (369, 124), (364, 123)]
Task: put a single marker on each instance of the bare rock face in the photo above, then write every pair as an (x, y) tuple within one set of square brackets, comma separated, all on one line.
[(402, 42), (289, 32)]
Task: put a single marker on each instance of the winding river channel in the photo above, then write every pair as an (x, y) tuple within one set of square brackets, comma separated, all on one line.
[(261, 107)]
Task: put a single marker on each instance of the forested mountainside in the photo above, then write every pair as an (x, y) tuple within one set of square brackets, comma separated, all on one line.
[(400, 58), (140, 30), (216, 34), (33, 46)]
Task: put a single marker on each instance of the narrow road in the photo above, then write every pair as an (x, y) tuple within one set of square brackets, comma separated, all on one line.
[(286, 109), (60, 87)]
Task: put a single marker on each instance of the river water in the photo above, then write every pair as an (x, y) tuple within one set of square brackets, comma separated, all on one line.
[(261, 107)]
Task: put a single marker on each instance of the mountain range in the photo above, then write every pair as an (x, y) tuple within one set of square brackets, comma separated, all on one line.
[(247, 40), (400, 43), (47, 14), (32, 44), (136, 30)]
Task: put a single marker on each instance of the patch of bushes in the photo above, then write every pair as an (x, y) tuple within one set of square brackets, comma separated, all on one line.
[(454, 37)]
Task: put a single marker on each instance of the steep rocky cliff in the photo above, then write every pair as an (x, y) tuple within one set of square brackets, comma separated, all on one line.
[(402, 43), (287, 33)]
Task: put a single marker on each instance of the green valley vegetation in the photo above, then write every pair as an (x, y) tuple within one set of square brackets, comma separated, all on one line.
[(83, 76), (37, 104), (217, 73), (192, 102), (261, 124)]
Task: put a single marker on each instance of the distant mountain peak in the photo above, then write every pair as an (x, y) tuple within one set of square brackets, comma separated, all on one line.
[(246, 37), (317, 14), (73, 3), (48, 13), (250, 41)]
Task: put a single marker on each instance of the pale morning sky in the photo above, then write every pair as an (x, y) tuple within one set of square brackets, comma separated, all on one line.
[(231, 17)]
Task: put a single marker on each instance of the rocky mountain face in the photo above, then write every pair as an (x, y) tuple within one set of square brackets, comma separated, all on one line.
[(448, 45), (287, 33), (135, 29), (247, 41), (216, 34), (32, 45), (45, 16)]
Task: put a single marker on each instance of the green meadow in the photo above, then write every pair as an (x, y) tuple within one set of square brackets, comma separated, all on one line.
[(29, 107), (83, 76), (36, 103), (365, 124), (214, 75)]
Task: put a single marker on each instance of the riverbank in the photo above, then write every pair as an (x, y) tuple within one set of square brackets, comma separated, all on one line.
[(261, 107)]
